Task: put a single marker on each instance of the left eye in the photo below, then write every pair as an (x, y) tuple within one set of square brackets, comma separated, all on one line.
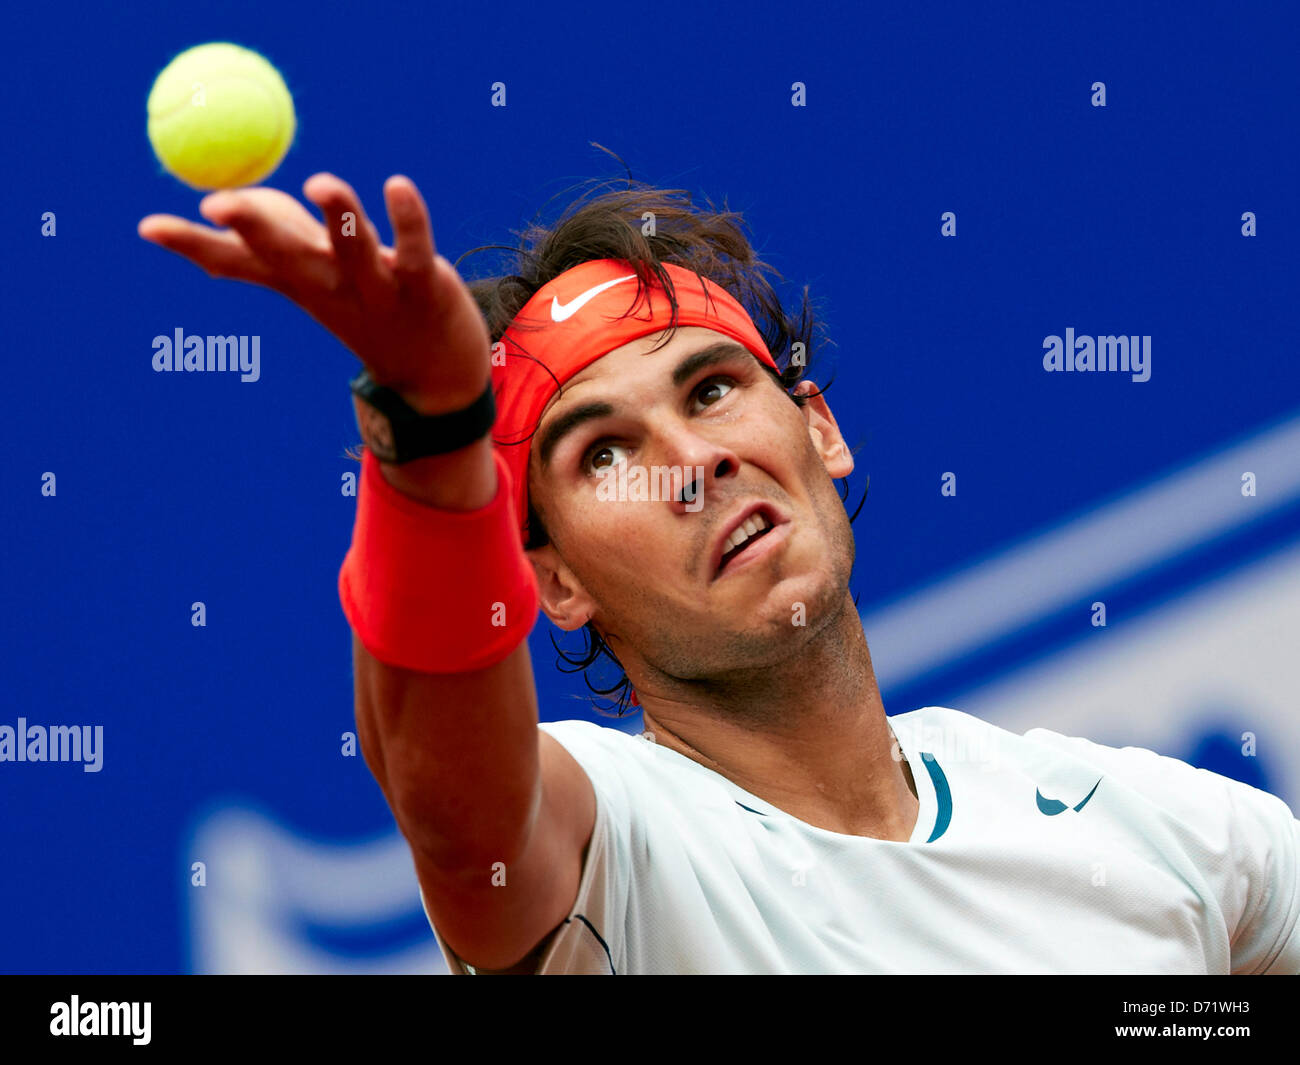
[(712, 391)]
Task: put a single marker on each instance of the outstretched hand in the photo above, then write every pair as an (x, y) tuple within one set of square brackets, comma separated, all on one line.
[(404, 311)]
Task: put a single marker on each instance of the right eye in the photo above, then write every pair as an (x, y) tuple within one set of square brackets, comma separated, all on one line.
[(601, 456)]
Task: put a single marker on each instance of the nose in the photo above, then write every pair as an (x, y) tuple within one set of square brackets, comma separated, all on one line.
[(699, 465)]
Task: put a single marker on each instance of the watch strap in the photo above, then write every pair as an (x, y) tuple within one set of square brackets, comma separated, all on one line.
[(398, 433)]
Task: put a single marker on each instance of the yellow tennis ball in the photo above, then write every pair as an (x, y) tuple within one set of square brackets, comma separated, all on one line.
[(220, 116)]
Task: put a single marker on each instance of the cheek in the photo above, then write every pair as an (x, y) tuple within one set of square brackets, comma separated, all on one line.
[(627, 543), (603, 542), (627, 561)]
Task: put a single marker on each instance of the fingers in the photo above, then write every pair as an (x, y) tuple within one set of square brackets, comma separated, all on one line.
[(220, 254), (280, 232), (354, 238), (411, 232)]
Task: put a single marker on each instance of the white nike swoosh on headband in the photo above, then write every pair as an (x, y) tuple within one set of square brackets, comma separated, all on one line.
[(561, 311)]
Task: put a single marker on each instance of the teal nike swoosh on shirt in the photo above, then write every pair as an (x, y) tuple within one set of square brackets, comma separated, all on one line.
[(1052, 807)]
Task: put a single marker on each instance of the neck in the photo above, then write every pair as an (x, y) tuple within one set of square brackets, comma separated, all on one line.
[(810, 738)]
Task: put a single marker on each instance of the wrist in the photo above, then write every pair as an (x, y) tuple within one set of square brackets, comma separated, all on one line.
[(428, 400), (465, 479), (398, 433), (433, 591)]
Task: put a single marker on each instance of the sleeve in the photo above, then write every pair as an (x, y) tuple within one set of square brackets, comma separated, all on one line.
[(587, 942), (1245, 842), (1267, 941)]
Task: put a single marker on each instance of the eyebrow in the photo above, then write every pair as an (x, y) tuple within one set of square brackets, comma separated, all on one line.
[(722, 351)]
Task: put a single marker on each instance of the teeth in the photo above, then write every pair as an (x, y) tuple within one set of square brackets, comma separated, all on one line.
[(749, 527)]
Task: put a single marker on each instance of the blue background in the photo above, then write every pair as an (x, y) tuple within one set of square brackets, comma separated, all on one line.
[(174, 488)]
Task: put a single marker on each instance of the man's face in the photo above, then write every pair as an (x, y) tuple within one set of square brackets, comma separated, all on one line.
[(655, 574)]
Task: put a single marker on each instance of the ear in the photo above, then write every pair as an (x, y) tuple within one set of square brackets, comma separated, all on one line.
[(824, 431), (561, 595)]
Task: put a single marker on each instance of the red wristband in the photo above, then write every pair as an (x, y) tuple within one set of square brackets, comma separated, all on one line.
[(438, 591)]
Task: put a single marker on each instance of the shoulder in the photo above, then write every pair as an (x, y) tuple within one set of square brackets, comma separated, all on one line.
[(1170, 783), (630, 775), (1167, 782), (1244, 843), (605, 752), (1212, 815), (589, 734), (646, 789)]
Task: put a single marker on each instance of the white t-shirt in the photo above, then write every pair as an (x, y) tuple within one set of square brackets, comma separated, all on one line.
[(1038, 853)]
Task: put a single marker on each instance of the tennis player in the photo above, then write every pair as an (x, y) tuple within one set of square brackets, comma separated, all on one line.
[(622, 434)]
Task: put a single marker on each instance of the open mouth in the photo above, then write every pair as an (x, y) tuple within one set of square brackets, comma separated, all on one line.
[(746, 535)]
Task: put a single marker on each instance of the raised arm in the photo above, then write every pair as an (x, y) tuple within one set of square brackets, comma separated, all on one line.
[(496, 822), (497, 814)]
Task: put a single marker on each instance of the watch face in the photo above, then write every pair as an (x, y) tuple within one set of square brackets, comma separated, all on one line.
[(377, 432)]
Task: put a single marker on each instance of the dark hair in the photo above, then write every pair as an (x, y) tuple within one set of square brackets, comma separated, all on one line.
[(646, 226)]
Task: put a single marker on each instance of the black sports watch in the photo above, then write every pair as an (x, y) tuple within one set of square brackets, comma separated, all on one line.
[(398, 433)]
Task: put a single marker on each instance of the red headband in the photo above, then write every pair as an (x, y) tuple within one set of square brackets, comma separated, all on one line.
[(577, 318)]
